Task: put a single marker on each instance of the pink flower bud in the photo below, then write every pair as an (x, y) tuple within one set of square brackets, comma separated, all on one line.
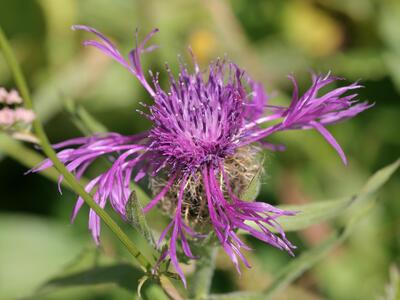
[(7, 117), (3, 95), (13, 98), (24, 115)]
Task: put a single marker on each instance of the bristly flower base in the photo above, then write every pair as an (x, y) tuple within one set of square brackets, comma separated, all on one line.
[(240, 168)]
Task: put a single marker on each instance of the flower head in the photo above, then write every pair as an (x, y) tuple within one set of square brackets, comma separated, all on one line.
[(202, 150)]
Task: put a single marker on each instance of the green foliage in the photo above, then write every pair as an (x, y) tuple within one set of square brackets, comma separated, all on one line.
[(136, 218), (92, 270), (253, 189), (320, 211), (38, 246), (82, 119), (307, 259), (356, 39)]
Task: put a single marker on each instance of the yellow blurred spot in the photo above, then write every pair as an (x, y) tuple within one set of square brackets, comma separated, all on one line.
[(203, 43), (311, 29)]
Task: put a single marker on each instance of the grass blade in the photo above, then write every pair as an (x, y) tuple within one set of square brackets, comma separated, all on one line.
[(317, 212)]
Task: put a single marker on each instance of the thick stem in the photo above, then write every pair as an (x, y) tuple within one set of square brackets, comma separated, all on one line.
[(202, 277)]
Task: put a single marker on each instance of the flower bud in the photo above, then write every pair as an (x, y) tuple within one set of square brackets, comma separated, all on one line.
[(7, 117)]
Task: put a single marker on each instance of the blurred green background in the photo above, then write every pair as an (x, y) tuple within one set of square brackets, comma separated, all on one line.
[(357, 39)]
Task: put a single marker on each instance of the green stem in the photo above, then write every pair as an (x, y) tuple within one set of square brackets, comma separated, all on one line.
[(202, 277), (50, 153), (25, 156)]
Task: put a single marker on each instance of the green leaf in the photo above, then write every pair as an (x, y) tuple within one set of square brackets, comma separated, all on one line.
[(304, 262), (253, 189), (136, 218), (313, 213), (93, 271), (317, 212), (308, 259), (123, 275), (376, 181), (32, 249), (83, 119)]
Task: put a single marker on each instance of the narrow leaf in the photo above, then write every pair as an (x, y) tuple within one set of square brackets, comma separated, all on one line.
[(83, 119), (305, 261), (313, 213), (308, 259), (320, 211), (376, 181), (121, 276), (136, 218), (253, 189), (91, 269)]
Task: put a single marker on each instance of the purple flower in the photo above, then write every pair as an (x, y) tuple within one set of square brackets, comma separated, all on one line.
[(201, 152)]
